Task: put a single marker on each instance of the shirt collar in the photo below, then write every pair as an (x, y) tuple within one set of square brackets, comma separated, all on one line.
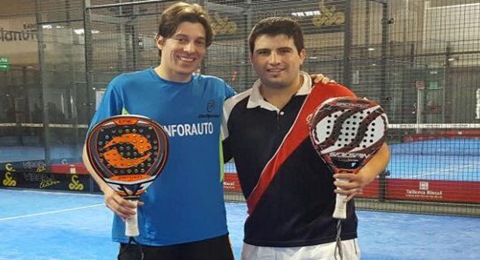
[(256, 99)]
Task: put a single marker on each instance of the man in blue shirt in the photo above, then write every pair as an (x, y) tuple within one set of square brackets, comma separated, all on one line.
[(182, 215)]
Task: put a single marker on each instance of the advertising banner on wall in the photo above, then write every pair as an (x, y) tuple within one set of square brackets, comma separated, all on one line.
[(18, 39), (45, 181), (323, 16), (34, 175)]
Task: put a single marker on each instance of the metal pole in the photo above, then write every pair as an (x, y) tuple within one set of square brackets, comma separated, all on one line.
[(88, 57), (347, 46), (42, 64)]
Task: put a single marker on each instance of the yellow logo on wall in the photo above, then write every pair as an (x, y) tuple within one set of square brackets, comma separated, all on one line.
[(75, 184), (9, 167), (328, 16), (47, 182), (221, 25), (41, 168), (9, 181)]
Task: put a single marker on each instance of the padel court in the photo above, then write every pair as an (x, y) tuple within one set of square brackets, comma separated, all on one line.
[(419, 59)]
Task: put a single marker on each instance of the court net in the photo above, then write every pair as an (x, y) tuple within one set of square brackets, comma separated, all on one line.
[(435, 139)]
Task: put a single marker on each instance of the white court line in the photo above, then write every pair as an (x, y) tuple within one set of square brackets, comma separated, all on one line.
[(50, 212), (46, 192)]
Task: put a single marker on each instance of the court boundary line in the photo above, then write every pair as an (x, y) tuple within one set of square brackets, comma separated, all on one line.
[(50, 192), (49, 212)]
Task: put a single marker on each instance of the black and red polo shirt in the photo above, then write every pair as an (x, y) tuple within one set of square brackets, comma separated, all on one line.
[(295, 207)]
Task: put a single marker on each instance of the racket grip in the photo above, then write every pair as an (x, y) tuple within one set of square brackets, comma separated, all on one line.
[(340, 211), (131, 224)]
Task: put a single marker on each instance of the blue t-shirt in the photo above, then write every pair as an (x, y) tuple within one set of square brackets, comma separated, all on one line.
[(185, 203)]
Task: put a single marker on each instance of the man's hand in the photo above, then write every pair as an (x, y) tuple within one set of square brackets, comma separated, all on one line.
[(120, 206), (317, 78), (354, 183), (350, 184)]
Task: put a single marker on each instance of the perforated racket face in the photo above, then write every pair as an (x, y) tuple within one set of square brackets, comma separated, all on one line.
[(347, 131), (128, 152)]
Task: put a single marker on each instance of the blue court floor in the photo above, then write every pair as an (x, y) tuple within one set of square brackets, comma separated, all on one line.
[(63, 226)]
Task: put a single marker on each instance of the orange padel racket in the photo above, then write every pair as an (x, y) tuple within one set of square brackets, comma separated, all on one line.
[(128, 152)]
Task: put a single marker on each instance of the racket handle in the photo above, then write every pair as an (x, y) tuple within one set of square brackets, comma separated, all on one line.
[(131, 224), (340, 211)]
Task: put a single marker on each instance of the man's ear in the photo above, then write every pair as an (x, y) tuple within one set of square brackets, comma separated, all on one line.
[(303, 55), (160, 41)]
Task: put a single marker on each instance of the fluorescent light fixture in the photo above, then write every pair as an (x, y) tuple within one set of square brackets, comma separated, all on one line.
[(81, 31), (306, 13)]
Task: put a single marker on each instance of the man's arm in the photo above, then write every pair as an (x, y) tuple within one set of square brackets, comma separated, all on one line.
[(227, 154), (368, 173), (226, 148), (112, 200)]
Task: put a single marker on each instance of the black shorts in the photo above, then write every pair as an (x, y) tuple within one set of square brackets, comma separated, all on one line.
[(218, 248)]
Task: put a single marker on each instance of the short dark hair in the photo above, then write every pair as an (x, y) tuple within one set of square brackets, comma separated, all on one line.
[(184, 12), (274, 26)]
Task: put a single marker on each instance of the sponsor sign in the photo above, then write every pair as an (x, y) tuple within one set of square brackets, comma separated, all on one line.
[(44, 181), (231, 182), (433, 190)]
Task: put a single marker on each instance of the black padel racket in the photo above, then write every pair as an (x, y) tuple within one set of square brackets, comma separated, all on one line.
[(347, 132), (128, 152)]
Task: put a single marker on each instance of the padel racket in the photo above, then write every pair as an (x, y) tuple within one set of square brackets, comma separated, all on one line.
[(347, 132), (128, 152)]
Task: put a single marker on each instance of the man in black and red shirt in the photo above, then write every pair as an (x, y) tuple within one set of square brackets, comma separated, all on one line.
[(290, 191)]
